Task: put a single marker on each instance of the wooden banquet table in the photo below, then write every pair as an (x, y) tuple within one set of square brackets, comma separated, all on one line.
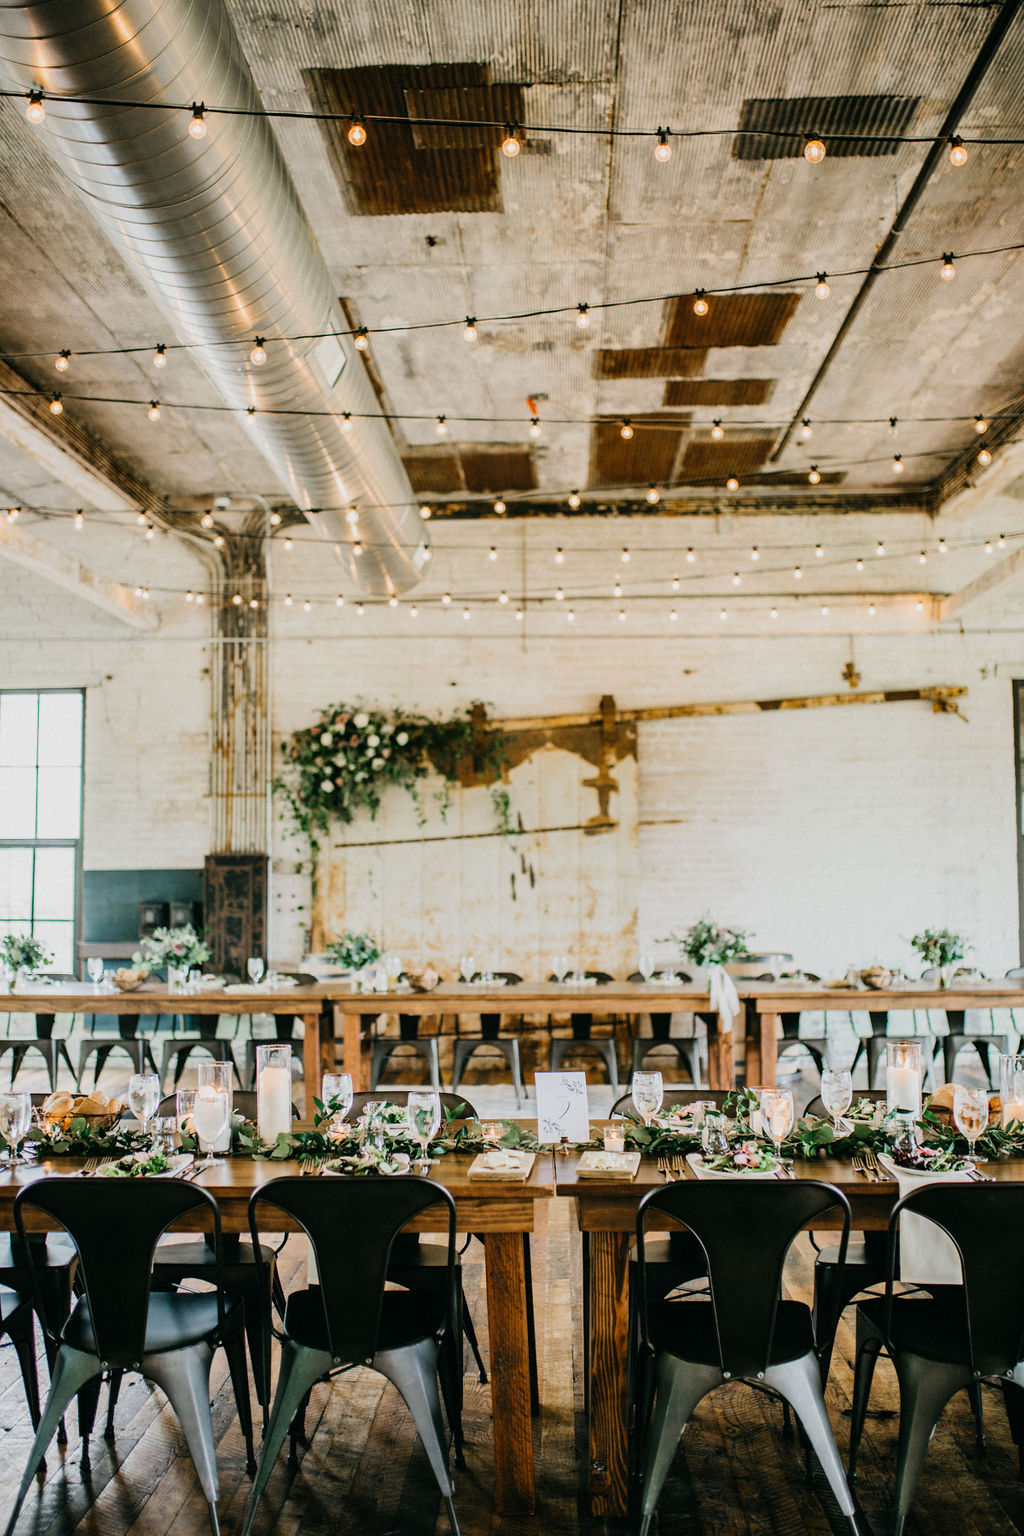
[(499, 1213), (767, 1001), (606, 1213)]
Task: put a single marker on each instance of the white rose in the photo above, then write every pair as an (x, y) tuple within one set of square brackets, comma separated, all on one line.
[(327, 785), (360, 773), (387, 730), (326, 739), (361, 720), (373, 741), (378, 762), (402, 738)]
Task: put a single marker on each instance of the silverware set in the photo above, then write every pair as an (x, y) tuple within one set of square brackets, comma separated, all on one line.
[(867, 1163), (310, 1166), (673, 1168)]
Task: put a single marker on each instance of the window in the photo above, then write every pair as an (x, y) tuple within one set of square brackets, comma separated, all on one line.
[(41, 818)]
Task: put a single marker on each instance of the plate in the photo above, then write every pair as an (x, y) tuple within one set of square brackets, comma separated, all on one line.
[(696, 1163), (178, 1162)]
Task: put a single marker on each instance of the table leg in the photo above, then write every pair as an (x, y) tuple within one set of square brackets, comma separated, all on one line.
[(317, 1053), (512, 1424), (721, 1067), (352, 1049), (762, 1048), (607, 1367)]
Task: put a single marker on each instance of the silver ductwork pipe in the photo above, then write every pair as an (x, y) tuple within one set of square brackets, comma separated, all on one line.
[(215, 229)]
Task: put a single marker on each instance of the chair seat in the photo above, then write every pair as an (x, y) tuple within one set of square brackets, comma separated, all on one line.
[(51, 1250), (195, 1258), (406, 1317), (174, 1322), (687, 1329), (934, 1327)]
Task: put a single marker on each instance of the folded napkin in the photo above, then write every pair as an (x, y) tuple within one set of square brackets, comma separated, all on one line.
[(501, 1163), (725, 1000), (927, 1255)]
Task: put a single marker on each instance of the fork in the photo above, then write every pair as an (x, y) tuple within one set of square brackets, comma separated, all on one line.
[(665, 1170), (874, 1166), (976, 1175), (860, 1164)]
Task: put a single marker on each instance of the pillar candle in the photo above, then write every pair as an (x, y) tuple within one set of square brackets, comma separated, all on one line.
[(903, 1089), (273, 1102)]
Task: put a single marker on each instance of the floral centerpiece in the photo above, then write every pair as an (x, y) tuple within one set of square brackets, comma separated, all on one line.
[(177, 949), (22, 955), (354, 950), (708, 943), (942, 948)]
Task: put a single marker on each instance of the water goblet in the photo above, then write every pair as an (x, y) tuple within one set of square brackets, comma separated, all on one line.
[(15, 1119), (423, 1114), (970, 1116), (777, 1115), (143, 1097), (254, 970), (211, 1111), (648, 1091), (94, 969), (836, 1092), (560, 967), (645, 965), (467, 968), (336, 1090)]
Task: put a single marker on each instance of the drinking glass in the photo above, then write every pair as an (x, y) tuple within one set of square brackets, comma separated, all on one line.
[(777, 1115), (254, 970), (648, 1092), (184, 1106), (561, 965), (836, 1092), (423, 1113), (219, 1074), (714, 1135), (645, 964), (336, 1088), (143, 1097), (211, 1112), (15, 1119), (467, 968), (392, 967), (970, 1116), (1011, 1090), (94, 969)]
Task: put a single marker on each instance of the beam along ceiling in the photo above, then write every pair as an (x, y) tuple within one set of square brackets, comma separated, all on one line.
[(426, 223)]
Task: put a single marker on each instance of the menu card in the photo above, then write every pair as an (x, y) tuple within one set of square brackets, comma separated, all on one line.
[(562, 1108)]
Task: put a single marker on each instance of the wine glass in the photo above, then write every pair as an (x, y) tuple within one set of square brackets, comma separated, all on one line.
[(560, 967), (336, 1088), (645, 964), (94, 969), (648, 1092), (143, 1097), (970, 1116), (211, 1111), (423, 1114), (254, 969), (467, 968), (777, 1115), (15, 1119), (836, 1092)]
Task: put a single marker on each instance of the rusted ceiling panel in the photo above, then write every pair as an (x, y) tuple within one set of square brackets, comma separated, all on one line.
[(490, 470), (433, 473), (776, 128), (649, 362), (648, 457), (732, 320), (733, 456), (718, 391), (402, 168)]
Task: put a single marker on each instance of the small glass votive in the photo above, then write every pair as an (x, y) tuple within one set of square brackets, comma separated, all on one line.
[(1011, 1090), (492, 1131), (615, 1138)]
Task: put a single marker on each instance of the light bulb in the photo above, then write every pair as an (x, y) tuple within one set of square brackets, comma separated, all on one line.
[(622, 615), (35, 111), (871, 610), (519, 614), (62, 362), (361, 339), (690, 556), (559, 594), (797, 573), (56, 405), (1002, 541), (957, 150), (414, 612), (499, 507), (984, 457), (357, 548), (237, 599), (442, 427), (879, 548), (943, 547), (159, 358), (339, 601), (736, 578), (625, 556), (446, 600), (920, 607), (922, 558), (254, 602), (980, 424), (653, 496), (140, 519), (582, 316), (200, 598), (755, 553), (675, 583), (717, 430), (814, 149), (700, 303), (559, 556), (190, 597), (806, 430), (346, 421), (79, 518), (469, 332), (824, 610), (723, 615), (150, 531), (307, 605), (814, 475), (732, 484), (275, 519), (258, 355), (571, 616), (502, 597), (673, 615), (426, 512), (626, 430), (288, 544), (663, 149), (988, 546), (948, 268), (206, 521), (392, 602), (774, 613), (154, 410), (197, 123), (617, 589), (492, 553), (357, 133), (821, 287), (510, 144), (360, 610), (465, 613), (250, 415), (574, 499), (897, 464), (819, 552), (860, 565), (218, 542), (534, 431)]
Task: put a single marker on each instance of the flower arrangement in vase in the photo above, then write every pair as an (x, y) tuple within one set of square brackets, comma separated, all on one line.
[(707, 943), (180, 950), (21, 956), (354, 950), (943, 949)]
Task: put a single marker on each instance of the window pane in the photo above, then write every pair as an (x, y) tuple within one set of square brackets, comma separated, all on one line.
[(60, 728), (55, 884), (60, 792), (18, 728), (16, 884), (58, 940), (17, 802)]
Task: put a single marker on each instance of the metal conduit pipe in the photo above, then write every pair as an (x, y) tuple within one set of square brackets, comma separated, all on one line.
[(216, 231)]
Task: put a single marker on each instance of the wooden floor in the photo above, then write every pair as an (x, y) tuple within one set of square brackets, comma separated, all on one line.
[(365, 1473)]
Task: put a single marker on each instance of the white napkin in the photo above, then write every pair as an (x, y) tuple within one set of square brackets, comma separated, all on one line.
[(927, 1255), (725, 1000)]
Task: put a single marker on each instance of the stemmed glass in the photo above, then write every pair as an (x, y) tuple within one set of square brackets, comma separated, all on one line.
[(836, 1092), (143, 1097), (467, 968), (94, 969), (423, 1114), (211, 1111), (777, 1115), (645, 965), (254, 970), (970, 1116), (561, 966), (336, 1088), (15, 1119), (648, 1092)]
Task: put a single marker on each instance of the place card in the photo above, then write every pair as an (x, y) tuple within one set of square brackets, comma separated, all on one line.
[(562, 1108)]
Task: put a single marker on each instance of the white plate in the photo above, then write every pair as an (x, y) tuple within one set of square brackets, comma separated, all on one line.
[(696, 1162), (178, 1162)]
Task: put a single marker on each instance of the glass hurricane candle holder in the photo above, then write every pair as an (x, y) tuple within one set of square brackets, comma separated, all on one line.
[(273, 1091), (218, 1074), (1011, 1091), (904, 1074)]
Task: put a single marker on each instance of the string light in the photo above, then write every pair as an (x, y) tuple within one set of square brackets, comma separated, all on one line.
[(957, 150), (250, 413), (502, 597), (559, 556), (824, 610), (414, 612), (860, 565), (361, 339), (673, 616), (894, 426), (897, 463), (254, 602), (62, 362), (574, 499), (821, 287), (442, 427), (1002, 541), (806, 430), (197, 124), (288, 600), (56, 405), (773, 613), (675, 583), (922, 558), (559, 594), (150, 531), (275, 519), (499, 507), (200, 598), (339, 601), (723, 615), (206, 521), (871, 610), (288, 543), (510, 144), (12, 514), (755, 553), (732, 484), (948, 267), (943, 547), (154, 410), (700, 303), (469, 333), (357, 548), (626, 430), (346, 421), (814, 475), (583, 316), (190, 597), (653, 496), (663, 149), (140, 519), (625, 555), (159, 358), (426, 512), (690, 556), (392, 601), (35, 111), (984, 458), (617, 589), (988, 546), (920, 607), (307, 605), (218, 542), (797, 573), (237, 600), (258, 355), (492, 553), (814, 149), (980, 424), (519, 615), (534, 430), (622, 615), (357, 133), (736, 578), (819, 552), (465, 613), (446, 600), (79, 518), (879, 548), (360, 610), (717, 430)]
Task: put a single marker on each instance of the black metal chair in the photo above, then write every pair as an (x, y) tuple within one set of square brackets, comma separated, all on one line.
[(16, 1323), (284, 1029), (792, 1040), (741, 1330), (955, 1337), (97, 1049), (489, 1039), (121, 1324), (686, 1047), (956, 1039), (583, 1038), (43, 1043), (350, 1319), (408, 1038)]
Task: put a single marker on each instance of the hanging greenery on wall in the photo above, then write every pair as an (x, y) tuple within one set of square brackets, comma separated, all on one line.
[(341, 765)]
